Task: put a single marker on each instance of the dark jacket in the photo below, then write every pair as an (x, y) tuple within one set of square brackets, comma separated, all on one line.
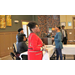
[(63, 34), (21, 47)]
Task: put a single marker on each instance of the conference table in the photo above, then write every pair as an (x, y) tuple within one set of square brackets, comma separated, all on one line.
[(46, 56), (67, 50)]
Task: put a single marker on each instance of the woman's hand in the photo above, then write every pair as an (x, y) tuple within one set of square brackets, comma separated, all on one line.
[(43, 44), (52, 38), (46, 50)]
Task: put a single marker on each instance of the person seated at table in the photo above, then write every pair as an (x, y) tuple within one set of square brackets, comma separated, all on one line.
[(21, 47), (20, 31)]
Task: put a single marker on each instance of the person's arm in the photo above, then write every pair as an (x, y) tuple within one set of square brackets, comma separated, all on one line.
[(17, 37), (34, 43), (59, 38), (25, 47), (66, 34)]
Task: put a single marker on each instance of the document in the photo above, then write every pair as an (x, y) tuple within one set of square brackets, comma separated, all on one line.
[(45, 56)]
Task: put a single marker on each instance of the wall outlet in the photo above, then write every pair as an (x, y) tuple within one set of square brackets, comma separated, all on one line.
[(8, 48)]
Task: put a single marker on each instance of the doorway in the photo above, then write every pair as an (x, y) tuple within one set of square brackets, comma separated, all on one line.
[(26, 28)]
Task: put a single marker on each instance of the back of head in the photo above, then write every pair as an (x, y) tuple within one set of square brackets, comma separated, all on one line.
[(32, 25), (58, 26), (63, 27), (20, 29), (21, 37)]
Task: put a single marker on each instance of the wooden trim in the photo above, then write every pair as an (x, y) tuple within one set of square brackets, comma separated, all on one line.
[(7, 39)]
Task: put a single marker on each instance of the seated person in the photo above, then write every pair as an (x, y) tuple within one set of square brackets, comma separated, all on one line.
[(21, 47), (20, 31)]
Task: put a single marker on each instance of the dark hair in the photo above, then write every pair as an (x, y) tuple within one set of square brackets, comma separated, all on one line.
[(20, 29), (58, 26), (21, 37), (63, 26), (32, 25)]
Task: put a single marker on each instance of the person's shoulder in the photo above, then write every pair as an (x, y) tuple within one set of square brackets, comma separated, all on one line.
[(22, 42), (58, 33), (18, 34), (33, 34)]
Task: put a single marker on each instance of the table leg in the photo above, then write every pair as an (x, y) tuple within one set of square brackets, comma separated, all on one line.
[(74, 57), (64, 57)]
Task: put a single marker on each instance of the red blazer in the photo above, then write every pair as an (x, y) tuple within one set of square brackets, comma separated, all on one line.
[(34, 44)]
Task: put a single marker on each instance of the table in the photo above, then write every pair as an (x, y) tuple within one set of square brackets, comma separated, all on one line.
[(50, 48), (68, 50), (24, 53)]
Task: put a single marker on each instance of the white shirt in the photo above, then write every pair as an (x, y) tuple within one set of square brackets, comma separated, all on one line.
[(63, 31)]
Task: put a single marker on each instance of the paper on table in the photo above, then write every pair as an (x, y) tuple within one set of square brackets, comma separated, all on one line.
[(45, 56)]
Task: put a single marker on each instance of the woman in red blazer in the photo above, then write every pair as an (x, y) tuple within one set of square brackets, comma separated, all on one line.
[(34, 43)]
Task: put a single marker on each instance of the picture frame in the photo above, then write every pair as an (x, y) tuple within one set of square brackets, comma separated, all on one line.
[(2, 21), (69, 24), (63, 23), (8, 20)]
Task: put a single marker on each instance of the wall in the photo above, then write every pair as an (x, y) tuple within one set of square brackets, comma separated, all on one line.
[(8, 35), (14, 26), (52, 21), (42, 24), (70, 29), (46, 21), (35, 18), (66, 19)]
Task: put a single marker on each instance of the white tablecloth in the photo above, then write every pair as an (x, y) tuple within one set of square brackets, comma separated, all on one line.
[(24, 53), (50, 48), (68, 49)]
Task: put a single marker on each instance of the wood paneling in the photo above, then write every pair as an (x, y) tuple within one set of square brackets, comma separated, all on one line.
[(70, 33), (6, 42)]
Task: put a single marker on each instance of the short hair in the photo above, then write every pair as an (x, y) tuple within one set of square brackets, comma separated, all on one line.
[(32, 25), (20, 29), (21, 37), (63, 26), (58, 26)]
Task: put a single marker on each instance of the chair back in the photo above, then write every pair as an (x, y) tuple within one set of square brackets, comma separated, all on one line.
[(15, 46), (15, 51)]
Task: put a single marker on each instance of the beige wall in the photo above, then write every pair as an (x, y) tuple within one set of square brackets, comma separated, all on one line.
[(67, 18)]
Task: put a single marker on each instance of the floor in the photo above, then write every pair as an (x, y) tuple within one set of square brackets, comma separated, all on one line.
[(6, 58), (68, 57)]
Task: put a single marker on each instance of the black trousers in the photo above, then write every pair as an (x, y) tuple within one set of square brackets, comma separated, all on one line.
[(64, 40)]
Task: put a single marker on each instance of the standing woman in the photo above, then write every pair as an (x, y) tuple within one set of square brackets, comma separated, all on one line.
[(58, 42), (34, 43)]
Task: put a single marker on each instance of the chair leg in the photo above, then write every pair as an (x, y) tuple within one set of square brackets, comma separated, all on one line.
[(64, 57), (74, 57)]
